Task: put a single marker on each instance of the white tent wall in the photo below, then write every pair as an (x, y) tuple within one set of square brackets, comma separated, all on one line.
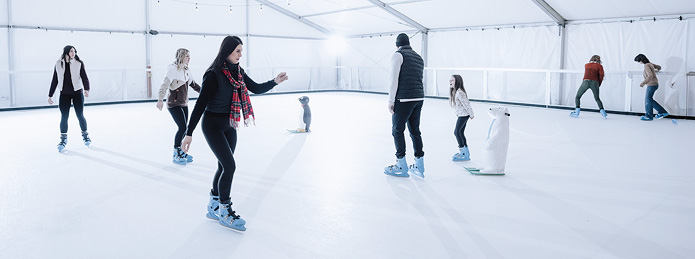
[(370, 59), (690, 61), (108, 60), (4, 66), (115, 15), (308, 63), (202, 51), (663, 42)]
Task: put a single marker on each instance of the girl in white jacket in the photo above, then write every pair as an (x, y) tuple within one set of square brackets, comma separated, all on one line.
[(459, 101)]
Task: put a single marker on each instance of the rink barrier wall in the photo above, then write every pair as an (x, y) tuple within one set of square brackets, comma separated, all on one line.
[(365, 92)]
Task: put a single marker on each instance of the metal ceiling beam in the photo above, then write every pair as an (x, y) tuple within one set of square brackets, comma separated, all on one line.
[(400, 15), (295, 16), (550, 11)]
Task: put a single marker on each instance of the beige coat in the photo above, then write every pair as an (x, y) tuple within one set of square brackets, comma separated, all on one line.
[(650, 75)]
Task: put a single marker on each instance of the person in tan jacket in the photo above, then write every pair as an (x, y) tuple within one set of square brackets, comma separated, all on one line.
[(176, 83), (652, 84)]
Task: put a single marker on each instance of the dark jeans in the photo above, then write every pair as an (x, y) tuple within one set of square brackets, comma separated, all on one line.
[(221, 138), (64, 102), (180, 115), (458, 131), (586, 85), (650, 104), (407, 113)]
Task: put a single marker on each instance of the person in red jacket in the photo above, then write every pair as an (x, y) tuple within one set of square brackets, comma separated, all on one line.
[(593, 77)]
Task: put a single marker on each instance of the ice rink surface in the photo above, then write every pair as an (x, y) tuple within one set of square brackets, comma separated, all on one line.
[(575, 188)]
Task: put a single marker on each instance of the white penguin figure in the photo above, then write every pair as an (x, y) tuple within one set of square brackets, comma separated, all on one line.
[(497, 142)]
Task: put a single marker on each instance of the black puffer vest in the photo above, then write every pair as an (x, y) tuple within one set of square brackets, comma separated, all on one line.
[(410, 77)]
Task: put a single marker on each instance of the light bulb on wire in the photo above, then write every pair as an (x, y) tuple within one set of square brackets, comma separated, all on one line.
[(196, 7), (157, 2), (230, 9), (261, 7)]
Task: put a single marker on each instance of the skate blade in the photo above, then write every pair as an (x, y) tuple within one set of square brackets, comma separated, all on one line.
[(238, 228), (212, 217)]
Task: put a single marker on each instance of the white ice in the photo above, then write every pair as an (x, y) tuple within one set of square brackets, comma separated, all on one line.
[(575, 188)]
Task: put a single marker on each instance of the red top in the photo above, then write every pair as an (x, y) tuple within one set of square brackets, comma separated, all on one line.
[(593, 71)]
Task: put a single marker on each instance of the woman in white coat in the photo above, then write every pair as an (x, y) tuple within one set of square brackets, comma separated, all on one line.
[(176, 84), (70, 79)]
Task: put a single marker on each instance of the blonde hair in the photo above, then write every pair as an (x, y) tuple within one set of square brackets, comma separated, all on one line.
[(595, 58), (180, 55)]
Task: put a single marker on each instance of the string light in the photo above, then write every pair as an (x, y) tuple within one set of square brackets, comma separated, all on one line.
[(231, 7), (288, 2)]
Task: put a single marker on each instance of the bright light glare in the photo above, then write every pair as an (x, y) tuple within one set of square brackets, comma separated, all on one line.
[(336, 45)]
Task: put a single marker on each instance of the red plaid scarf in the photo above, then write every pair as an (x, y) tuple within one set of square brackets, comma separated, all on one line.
[(239, 103)]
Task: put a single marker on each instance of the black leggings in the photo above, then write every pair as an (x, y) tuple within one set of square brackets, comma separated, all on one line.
[(221, 138), (180, 115), (64, 102), (459, 131)]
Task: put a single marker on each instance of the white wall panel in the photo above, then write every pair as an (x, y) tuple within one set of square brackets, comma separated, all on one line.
[(663, 42), (202, 51), (268, 57), (3, 11), (116, 15), (4, 76), (690, 83), (37, 50), (372, 56)]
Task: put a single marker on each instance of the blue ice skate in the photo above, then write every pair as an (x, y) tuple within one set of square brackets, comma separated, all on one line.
[(419, 167), (188, 157), (85, 138), (63, 142), (230, 219), (213, 207), (575, 113), (178, 156), (400, 169), (462, 155), (645, 118), (661, 115), (604, 114)]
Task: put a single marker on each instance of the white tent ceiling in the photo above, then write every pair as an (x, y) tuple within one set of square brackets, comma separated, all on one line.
[(359, 17)]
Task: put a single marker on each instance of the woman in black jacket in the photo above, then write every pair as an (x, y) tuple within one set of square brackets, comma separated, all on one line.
[(225, 101)]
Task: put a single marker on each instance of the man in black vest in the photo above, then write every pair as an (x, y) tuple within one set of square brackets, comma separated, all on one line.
[(406, 95)]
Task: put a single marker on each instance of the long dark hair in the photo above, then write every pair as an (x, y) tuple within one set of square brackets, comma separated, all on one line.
[(642, 58), (458, 84), (66, 54), (228, 45)]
